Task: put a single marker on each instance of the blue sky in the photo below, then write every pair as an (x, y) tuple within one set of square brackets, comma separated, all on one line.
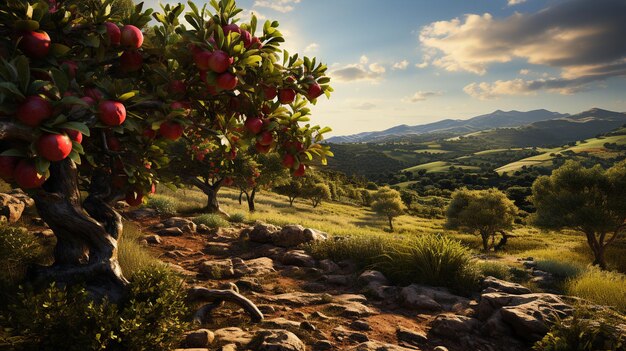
[(417, 61)]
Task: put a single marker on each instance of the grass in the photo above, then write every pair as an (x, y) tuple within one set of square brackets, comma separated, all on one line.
[(132, 255), (211, 221), (560, 268), (164, 204), (495, 269), (601, 287)]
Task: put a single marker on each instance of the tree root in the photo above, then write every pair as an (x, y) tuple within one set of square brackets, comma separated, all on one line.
[(217, 298)]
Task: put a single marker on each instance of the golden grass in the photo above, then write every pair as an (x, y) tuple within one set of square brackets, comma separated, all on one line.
[(601, 287), (132, 255)]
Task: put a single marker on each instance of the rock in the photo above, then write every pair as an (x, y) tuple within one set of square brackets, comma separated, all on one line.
[(280, 323), (262, 233), (411, 298), (267, 309), (347, 266), (450, 326), (193, 349), (11, 207), (351, 306), (38, 221), (491, 284), (290, 236), (23, 197), (217, 269), (322, 345), (341, 334), (258, 266), (233, 335), (382, 292), (320, 315), (372, 276), (298, 258), (440, 348), (229, 347), (530, 264), (184, 224), (379, 346), (170, 232), (361, 325), (311, 234), (281, 340), (411, 337), (44, 234), (297, 299), (528, 315), (337, 279), (199, 338), (153, 239), (306, 325), (143, 213), (249, 284), (328, 266), (441, 295), (202, 228)]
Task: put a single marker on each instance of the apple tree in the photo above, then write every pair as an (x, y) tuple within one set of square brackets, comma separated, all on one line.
[(259, 172), (90, 103)]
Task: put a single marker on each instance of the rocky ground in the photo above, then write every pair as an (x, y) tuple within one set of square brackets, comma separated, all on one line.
[(311, 305), (324, 305)]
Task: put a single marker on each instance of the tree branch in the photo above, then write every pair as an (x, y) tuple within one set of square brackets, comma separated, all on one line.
[(15, 131), (217, 296)]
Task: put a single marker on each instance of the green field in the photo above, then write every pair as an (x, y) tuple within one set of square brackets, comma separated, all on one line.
[(437, 166)]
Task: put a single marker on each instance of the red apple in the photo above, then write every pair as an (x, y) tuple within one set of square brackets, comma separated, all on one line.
[(131, 61), (113, 32), (262, 149), (269, 92), (134, 197), (171, 130), (74, 135), (153, 188), (227, 81), (246, 37), (35, 44), (93, 93), (7, 167), (177, 87), (255, 43), (286, 96), (88, 100), (289, 160), (34, 110), (232, 154), (315, 90), (26, 175), (211, 90), (253, 125), (54, 147), (266, 109), (266, 138), (201, 58), (113, 143), (131, 36), (231, 28), (219, 61), (300, 171), (112, 113), (228, 181), (149, 134), (72, 67)]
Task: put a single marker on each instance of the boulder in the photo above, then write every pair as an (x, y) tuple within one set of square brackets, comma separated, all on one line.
[(371, 276), (217, 269), (361, 325), (153, 239), (451, 326), (23, 197), (262, 232), (411, 337), (381, 292), (411, 298), (258, 266), (281, 340), (441, 295), (491, 284), (170, 232), (280, 323), (379, 346), (290, 236), (229, 347), (200, 338), (342, 334), (350, 306), (298, 258), (233, 335), (322, 345), (143, 213), (184, 224), (11, 207), (328, 266), (337, 279)]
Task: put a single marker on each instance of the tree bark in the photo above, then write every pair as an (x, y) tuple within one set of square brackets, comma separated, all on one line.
[(250, 200), (485, 236), (211, 190), (390, 223), (87, 234), (598, 250)]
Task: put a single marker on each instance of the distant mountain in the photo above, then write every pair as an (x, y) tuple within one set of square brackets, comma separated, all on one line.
[(497, 119)]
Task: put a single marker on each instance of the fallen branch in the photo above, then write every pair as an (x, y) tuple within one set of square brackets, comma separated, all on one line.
[(216, 299)]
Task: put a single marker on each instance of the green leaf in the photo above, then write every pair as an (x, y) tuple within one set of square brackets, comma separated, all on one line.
[(14, 152), (42, 165), (12, 88), (26, 25), (128, 95), (23, 71), (74, 156), (79, 126), (77, 147), (60, 79), (59, 50)]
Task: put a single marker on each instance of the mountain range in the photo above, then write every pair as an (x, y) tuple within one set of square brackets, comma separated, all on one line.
[(544, 124)]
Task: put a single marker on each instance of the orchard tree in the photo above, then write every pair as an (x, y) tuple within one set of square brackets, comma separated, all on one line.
[(88, 106), (292, 189), (317, 193), (258, 172), (589, 200), (486, 212), (387, 202)]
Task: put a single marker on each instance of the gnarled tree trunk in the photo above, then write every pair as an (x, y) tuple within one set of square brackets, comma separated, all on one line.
[(250, 199), (87, 233), (211, 190)]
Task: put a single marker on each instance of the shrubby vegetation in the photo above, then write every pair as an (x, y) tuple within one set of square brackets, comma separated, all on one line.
[(211, 220), (388, 203)]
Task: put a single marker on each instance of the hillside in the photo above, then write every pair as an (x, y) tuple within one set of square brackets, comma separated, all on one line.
[(496, 119)]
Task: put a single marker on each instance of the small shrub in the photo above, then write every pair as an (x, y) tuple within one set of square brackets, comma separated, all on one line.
[(18, 250), (211, 220), (495, 269), (561, 269), (601, 287), (133, 256), (238, 217), (163, 204), (586, 330)]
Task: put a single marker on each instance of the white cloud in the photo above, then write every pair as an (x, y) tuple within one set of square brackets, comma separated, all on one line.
[(486, 91), (312, 47), (363, 60), (422, 96), (515, 2), (377, 68), (283, 6), (422, 64), (358, 71), (364, 106), (524, 71), (402, 65)]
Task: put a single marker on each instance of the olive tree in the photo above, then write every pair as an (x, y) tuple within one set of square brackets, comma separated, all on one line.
[(589, 200), (486, 212), (387, 202)]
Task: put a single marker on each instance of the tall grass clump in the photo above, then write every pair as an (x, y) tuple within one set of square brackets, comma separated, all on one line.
[(601, 287), (495, 269), (561, 269), (132, 255), (428, 259), (163, 204), (237, 217), (211, 220)]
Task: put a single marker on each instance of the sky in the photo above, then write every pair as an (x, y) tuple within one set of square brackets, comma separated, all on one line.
[(412, 62)]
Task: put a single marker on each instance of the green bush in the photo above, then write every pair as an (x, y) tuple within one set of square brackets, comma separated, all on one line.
[(586, 330), (151, 318), (163, 204), (133, 256), (18, 250), (211, 220), (495, 269), (238, 217), (561, 269), (428, 259), (601, 287)]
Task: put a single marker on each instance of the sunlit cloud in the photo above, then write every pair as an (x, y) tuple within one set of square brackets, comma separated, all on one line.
[(422, 96), (283, 6), (402, 65), (359, 71)]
